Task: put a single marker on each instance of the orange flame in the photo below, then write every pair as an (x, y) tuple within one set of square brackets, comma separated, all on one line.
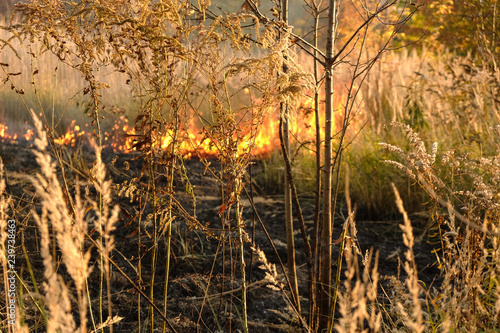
[(29, 134), (3, 128), (194, 141), (69, 138)]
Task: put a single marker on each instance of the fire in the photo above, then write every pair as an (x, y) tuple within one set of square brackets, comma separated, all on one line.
[(193, 140), (5, 134), (122, 136), (3, 128), (29, 134), (70, 137)]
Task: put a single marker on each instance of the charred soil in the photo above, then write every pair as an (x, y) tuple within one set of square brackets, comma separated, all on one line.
[(204, 283)]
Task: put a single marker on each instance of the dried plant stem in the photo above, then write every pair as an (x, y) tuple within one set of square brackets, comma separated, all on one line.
[(108, 294), (139, 265), (223, 282), (240, 226), (155, 241), (414, 320), (101, 265), (101, 274), (107, 226), (170, 189), (89, 301), (285, 144), (295, 200), (290, 241), (69, 228), (341, 253)]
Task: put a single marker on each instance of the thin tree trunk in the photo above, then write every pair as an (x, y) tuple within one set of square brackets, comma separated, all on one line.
[(292, 269), (313, 307), (327, 222)]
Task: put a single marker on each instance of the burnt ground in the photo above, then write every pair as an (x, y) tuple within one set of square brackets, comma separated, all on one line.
[(201, 292)]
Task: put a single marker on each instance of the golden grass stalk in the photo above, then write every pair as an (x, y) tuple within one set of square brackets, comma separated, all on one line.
[(70, 228), (413, 318), (4, 207), (69, 231), (106, 221), (273, 282), (358, 300), (468, 258)]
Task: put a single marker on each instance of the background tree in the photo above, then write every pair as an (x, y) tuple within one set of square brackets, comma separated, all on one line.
[(462, 26)]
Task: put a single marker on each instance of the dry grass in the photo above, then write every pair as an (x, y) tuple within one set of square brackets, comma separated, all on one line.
[(69, 224), (58, 93), (77, 222), (466, 222), (467, 296)]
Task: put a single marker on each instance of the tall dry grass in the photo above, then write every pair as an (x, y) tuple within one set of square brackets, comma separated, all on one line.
[(466, 221), (63, 225), (53, 88), (449, 100)]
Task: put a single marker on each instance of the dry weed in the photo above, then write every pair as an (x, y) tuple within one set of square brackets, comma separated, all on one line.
[(467, 225)]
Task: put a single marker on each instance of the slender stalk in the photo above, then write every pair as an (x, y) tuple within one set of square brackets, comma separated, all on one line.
[(239, 222), (155, 225), (313, 308), (224, 232), (253, 221), (170, 189), (139, 266), (39, 302), (290, 241), (327, 222), (295, 200), (101, 258), (108, 287), (54, 95), (341, 253)]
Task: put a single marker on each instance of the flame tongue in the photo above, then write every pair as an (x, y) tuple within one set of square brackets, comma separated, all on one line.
[(69, 138), (192, 141), (3, 130)]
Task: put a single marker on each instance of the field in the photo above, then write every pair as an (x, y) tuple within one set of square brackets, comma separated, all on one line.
[(168, 173)]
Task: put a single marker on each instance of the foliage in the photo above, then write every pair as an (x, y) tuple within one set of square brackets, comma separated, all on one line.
[(462, 26)]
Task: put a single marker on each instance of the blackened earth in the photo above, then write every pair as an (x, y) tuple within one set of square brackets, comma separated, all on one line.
[(204, 286)]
